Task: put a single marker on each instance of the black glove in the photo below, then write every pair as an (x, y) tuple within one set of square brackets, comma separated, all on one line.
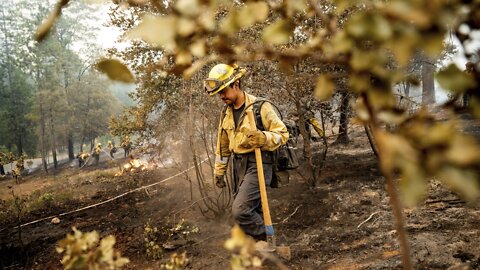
[(220, 181)]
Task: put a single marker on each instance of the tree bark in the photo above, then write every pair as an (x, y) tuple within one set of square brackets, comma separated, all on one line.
[(428, 84), (42, 137), (54, 141), (71, 154), (343, 125), (19, 145)]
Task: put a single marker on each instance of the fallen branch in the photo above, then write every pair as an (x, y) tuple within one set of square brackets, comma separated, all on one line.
[(368, 219), (289, 216)]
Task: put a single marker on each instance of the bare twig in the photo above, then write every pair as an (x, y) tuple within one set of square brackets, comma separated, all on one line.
[(289, 216), (368, 219)]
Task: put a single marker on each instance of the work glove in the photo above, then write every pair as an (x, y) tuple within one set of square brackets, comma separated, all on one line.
[(220, 181), (256, 138)]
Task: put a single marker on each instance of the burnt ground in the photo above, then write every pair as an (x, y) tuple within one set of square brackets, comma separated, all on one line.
[(343, 223)]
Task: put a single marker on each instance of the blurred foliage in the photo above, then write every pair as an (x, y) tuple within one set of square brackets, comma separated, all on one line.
[(177, 262), (87, 251), (243, 250)]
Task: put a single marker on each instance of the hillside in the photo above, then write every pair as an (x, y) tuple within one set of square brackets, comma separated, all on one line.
[(343, 223)]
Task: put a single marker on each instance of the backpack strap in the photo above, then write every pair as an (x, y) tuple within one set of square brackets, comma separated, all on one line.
[(257, 107)]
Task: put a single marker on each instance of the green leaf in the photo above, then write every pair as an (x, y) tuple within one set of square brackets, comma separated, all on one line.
[(324, 88), (455, 80), (115, 70), (278, 32)]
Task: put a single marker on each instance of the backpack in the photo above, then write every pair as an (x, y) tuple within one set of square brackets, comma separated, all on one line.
[(284, 157)]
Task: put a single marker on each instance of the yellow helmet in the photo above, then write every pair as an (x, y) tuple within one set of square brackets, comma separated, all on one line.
[(221, 76)]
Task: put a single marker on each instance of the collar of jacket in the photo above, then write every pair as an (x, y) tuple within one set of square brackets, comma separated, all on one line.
[(249, 99)]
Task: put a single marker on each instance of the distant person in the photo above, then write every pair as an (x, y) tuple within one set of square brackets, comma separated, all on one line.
[(126, 145), (96, 153), (19, 168), (112, 148), (82, 158), (3, 161)]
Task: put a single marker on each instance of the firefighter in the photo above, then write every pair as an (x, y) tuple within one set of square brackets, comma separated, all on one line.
[(3, 161), (82, 158), (237, 139), (112, 148), (19, 168), (126, 145), (96, 153)]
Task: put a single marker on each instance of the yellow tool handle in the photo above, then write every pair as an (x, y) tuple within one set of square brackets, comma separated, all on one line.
[(261, 177)]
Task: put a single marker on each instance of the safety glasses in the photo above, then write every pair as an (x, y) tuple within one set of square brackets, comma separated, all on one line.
[(211, 85)]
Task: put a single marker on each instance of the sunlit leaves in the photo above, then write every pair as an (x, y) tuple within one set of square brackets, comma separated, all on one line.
[(156, 30), (324, 88), (188, 7), (278, 33), (451, 78), (374, 27), (115, 70), (294, 6), (243, 248), (254, 12), (246, 16), (405, 11), (463, 181)]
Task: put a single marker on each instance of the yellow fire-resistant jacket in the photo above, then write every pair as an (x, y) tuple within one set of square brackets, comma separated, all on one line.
[(316, 126), (231, 141)]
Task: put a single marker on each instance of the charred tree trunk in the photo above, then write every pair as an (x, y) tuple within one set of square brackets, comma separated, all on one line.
[(19, 145), (344, 117), (54, 141), (428, 84), (71, 154), (42, 139)]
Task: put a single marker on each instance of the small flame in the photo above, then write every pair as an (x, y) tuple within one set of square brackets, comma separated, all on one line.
[(133, 166)]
